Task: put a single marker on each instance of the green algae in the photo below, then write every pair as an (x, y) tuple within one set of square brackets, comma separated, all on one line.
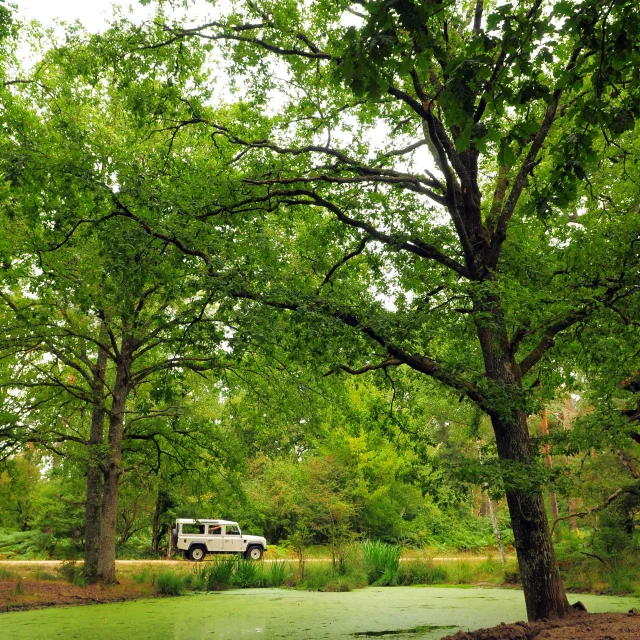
[(399, 613)]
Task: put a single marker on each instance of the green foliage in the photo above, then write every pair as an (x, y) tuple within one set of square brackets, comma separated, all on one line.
[(381, 562), (71, 571), (279, 572), (169, 583), (7, 574), (422, 572), (142, 577), (28, 545)]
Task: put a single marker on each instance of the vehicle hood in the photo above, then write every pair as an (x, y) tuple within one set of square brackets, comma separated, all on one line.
[(259, 539)]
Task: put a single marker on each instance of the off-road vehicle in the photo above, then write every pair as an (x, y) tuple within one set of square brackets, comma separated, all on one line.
[(196, 538)]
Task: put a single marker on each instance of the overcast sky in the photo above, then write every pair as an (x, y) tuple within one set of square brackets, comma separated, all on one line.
[(93, 14)]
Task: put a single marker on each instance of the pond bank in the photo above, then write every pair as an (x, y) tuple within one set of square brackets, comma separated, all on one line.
[(424, 613), (585, 626)]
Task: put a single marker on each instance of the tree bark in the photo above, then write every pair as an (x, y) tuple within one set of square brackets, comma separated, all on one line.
[(93, 503), (113, 470), (155, 533), (496, 530), (553, 500), (541, 582)]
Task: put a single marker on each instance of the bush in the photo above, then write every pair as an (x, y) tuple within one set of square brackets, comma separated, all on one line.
[(381, 562), (7, 574), (422, 572), (72, 572), (31, 545), (279, 571), (323, 577), (512, 576), (143, 576), (248, 573), (169, 583), (44, 575), (215, 575)]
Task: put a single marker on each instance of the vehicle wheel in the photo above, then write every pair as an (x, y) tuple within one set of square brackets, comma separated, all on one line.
[(197, 553), (254, 553)]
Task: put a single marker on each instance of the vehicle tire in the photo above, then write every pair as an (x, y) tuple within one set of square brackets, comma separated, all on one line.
[(197, 552), (254, 553)]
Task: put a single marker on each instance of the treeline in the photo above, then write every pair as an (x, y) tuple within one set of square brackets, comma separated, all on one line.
[(208, 231)]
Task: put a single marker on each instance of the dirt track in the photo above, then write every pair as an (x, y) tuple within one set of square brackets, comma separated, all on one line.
[(53, 563)]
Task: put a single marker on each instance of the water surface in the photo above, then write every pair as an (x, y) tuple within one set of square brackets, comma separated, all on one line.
[(396, 613)]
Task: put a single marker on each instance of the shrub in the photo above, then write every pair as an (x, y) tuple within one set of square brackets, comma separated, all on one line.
[(381, 561), (512, 576), (169, 583), (215, 575), (248, 573), (44, 575), (30, 545), (279, 571), (461, 573), (143, 576), (72, 572), (422, 572)]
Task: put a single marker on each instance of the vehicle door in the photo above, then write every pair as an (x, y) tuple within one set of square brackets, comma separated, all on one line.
[(232, 538), (215, 538), (190, 533)]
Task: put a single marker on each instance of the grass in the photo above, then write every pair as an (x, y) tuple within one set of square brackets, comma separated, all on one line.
[(7, 574), (170, 583), (71, 571), (382, 562)]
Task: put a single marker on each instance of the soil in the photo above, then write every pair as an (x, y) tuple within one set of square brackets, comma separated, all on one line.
[(34, 594), (580, 626)]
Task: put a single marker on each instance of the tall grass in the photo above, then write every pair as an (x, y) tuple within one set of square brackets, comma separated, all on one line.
[(381, 562), (170, 583), (248, 573), (279, 571)]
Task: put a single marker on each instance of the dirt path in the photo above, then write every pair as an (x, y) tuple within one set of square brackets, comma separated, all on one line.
[(55, 563)]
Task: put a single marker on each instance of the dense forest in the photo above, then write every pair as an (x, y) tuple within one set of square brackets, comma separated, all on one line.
[(339, 271)]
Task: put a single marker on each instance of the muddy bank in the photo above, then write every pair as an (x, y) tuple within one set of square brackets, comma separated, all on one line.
[(36, 594), (583, 626)]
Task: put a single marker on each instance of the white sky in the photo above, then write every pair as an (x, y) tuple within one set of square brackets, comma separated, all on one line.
[(91, 13), (94, 14)]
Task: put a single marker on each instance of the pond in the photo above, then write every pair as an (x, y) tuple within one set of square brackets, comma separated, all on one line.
[(395, 613)]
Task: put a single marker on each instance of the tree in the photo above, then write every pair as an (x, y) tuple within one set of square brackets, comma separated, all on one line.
[(100, 315), (475, 253)]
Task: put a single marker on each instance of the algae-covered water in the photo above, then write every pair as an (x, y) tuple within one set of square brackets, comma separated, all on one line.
[(395, 613)]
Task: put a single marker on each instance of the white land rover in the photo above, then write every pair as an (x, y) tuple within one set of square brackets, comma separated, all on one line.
[(196, 538)]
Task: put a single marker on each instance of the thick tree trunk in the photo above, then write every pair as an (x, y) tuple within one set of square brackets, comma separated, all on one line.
[(541, 582), (113, 470), (93, 503)]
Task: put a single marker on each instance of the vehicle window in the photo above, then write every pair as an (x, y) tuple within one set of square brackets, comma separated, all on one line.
[(233, 530), (215, 529), (193, 529)]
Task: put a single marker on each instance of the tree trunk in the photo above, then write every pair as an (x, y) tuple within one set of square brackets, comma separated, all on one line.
[(553, 500), (496, 530), (93, 503), (155, 530), (113, 471), (541, 582), (573, 521)]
